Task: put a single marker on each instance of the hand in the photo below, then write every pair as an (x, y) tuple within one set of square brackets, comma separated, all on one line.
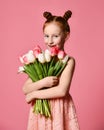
[(29, 98), (50, 81)]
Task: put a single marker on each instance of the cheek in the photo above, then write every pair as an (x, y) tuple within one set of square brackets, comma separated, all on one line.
[(57, 40), (45, 40)]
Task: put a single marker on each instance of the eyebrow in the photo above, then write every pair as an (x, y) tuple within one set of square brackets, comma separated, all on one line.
[(53, 34)]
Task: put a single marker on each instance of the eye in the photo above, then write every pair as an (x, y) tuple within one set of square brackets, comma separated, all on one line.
[(55, 36), (46, 36)]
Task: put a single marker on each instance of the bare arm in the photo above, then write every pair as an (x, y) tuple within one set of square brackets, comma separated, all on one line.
[(30, 86), (58, 91)]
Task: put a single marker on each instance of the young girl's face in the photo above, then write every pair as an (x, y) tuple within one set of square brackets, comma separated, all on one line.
[(54, 35)]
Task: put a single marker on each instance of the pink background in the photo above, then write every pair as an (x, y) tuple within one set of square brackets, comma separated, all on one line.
[(21, 28)]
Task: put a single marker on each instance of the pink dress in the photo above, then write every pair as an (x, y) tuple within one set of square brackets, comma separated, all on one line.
[(63, 116)]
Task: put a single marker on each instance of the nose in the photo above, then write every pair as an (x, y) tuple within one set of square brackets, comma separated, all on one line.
[(50, 41)]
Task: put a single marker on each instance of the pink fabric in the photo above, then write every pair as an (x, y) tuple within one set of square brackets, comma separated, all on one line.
[(63, 116)]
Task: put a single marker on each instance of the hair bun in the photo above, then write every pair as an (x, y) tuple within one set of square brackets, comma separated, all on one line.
[(67, 15), (47, 15)]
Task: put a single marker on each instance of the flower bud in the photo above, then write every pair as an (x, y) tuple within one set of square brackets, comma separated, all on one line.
[(41, 58), (30, 57), (54, 50), (21, 59), (65, 59), (61, 54), (21, 69), (36, 51), (27, 58), (47, 55)]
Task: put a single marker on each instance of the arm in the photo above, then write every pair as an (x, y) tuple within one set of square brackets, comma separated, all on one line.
[(30, 86), (58, 91)]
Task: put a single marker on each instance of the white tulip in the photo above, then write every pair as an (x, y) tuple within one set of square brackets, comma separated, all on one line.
[(47, 55), (21, 69), (65, 59), (30, 51), (30, 57), (41, 58)]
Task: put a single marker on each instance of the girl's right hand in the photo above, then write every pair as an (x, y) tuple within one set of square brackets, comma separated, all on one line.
[(46, 82), (50, 81)]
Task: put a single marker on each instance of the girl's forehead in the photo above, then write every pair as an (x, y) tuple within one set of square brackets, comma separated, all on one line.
[(54, 26), (54, 23)]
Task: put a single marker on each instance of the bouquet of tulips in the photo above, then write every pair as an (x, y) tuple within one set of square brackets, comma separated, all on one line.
[(38, 64)]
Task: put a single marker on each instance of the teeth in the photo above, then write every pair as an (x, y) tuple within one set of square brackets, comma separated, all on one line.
[(51, 45)]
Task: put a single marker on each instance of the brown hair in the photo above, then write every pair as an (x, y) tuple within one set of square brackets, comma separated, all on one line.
[(62, 20)]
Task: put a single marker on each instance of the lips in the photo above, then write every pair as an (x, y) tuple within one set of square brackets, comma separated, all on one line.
[(50, 45)]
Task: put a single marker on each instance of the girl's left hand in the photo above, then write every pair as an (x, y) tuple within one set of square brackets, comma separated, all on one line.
[(29, 98)]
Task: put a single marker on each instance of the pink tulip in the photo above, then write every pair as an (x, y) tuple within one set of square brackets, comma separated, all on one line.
[(36, 51), (54, 50), (24, 59), (21, 59), (27, 58), (61, 54)]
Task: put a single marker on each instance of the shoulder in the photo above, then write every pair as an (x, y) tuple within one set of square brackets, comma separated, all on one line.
[(69, 69), (71, 61), (70, 64)]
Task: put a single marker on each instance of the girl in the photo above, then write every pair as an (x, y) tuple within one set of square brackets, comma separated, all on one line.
[(56, 31)]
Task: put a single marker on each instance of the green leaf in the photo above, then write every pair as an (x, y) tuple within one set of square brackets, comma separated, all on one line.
[(38, 69), (53, 61), (30, 73), (45, 69), (62, 68), (57, 67), (50, 71)]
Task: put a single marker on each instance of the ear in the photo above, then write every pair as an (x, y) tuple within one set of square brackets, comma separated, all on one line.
[(67, 36)]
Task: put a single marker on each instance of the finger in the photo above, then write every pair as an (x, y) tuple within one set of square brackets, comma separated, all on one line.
[(27, 99), (55, 78), (55, 82)]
